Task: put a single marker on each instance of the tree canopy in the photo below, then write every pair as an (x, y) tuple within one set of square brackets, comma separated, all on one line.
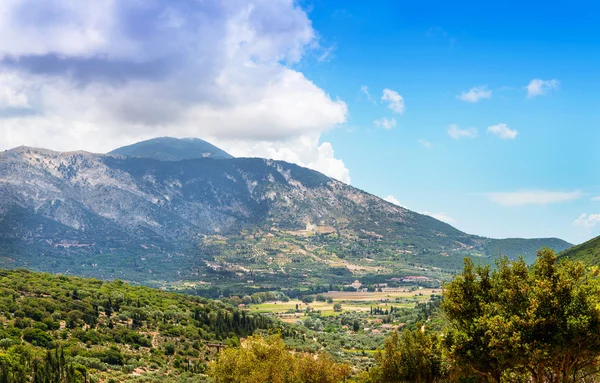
[(261, 360), (541, 323)]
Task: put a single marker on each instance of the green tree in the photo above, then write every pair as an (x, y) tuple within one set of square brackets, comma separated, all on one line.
[(541, 322), (261, 360), (337, 307), (409, 357)]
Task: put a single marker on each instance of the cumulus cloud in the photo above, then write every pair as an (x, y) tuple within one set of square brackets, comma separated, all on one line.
[(475, 94), (426, 144), (538, 87), (533, 197), (98, 74), (441, 217), (386, 123), (391, 199), (503, 131), (596, 199), (394, 101), (455, 132), (11, 93), (587, 222)]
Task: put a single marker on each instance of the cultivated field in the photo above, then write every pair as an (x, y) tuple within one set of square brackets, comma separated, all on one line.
[(351, 301), (422, 294)]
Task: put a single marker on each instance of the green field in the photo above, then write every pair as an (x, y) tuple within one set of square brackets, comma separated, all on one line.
[(351, 302)]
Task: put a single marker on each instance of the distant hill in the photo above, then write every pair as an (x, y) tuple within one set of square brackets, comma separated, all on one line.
[(588, 252), (524, 247), (172, 149), (235, 221)]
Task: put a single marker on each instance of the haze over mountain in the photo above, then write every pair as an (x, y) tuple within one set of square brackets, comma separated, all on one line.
[(153, 208)]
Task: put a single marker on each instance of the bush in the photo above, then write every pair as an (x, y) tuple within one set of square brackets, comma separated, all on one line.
[(169, 349), (112, 356), (6, 343), (37, 337)]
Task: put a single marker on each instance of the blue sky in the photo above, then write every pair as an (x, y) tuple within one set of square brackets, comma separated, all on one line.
[(481, 114), (432, 52)]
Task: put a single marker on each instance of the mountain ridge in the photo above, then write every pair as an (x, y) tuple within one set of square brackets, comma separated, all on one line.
[(196, 216)]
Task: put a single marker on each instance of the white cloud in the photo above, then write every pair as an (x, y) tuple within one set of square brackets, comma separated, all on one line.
[(596, 199), (538, 87), (455, 132), (365, 91), (475, 94), (394, 100), (304, 151), (11, 97), (426, 144), (587, 222), (385, 123), (211, 69), (503, 131), (533, 197), (326, 54), (441, 217), (394, 200)]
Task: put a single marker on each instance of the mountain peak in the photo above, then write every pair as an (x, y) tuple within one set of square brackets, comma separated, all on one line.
[(173, 149)]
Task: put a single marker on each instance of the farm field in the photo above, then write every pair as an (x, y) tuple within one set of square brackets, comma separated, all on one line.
[(421, 295), (351, 302)]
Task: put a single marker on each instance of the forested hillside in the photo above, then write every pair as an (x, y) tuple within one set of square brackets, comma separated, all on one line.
[(67, 329), (587, 252), (513, 323)]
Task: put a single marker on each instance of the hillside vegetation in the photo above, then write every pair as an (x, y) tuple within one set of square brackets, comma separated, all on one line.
[(68, 329), (514, 323), (587, 252)]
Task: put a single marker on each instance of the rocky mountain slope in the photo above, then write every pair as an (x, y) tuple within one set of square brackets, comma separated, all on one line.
[(168, 219)]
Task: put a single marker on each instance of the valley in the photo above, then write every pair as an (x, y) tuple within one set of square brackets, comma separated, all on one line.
[(234, 252), (299, 191)]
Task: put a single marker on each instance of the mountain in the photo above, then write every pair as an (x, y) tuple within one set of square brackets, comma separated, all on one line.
[(588, 252), (172, 149), (208, 222)]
